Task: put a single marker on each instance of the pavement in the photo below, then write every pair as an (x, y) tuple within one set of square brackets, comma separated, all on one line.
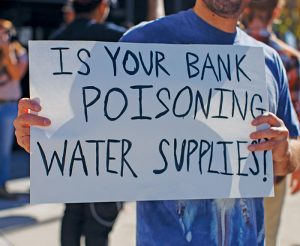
[(22, 224), (40, 224)]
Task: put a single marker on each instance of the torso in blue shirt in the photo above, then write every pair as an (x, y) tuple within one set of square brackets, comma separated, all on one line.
[(208, 222)]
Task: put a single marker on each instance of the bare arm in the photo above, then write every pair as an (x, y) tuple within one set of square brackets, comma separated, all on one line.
[(16, 68)]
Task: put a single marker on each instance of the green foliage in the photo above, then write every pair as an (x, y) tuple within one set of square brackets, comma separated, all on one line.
[(290, 19)]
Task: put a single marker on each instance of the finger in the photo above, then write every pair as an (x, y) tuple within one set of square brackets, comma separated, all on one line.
[(271, 133), (268, 145), (25, 104), (22, 131), (31, 120), (268, 118), (25, 143)]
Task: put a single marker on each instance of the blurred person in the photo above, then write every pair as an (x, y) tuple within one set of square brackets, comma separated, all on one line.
[(92, 220), (136, 12), (295, 182), (13, 66), (68, 17), (156, 9), (68, 12), (90, 23), (258, 19), (290, 39), (235, 222)]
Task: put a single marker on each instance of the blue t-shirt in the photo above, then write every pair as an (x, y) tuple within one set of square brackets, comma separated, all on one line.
[(209, 222)]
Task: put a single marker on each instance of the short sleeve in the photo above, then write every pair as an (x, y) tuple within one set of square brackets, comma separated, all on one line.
[(21, 53), (137, 34)]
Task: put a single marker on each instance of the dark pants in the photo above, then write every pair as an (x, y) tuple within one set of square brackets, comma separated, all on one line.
[(94, 221)]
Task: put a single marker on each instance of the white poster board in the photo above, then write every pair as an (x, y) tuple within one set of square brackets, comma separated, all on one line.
[(134, 122)]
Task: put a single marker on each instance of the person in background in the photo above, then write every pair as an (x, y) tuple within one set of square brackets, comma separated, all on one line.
[(89, 23), (258, 19), (68, 12), (156, 9), (295, 182), (93, 220), (136, 12), (13, 66)]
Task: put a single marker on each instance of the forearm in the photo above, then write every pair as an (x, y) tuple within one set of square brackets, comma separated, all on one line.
[(12, 69)]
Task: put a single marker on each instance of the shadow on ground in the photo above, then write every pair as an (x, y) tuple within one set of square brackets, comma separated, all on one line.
[(22, 200), (14, 222)]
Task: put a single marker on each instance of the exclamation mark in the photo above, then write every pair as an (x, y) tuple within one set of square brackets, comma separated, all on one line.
[(265, 166)]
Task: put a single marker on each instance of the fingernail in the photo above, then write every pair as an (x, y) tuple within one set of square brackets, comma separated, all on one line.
[(37, 108), (47, 122)]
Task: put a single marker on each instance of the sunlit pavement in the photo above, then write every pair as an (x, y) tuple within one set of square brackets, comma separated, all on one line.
[(25, 224), (40, 224)]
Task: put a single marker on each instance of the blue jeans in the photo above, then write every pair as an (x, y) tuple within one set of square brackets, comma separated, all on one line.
[(8, 112)]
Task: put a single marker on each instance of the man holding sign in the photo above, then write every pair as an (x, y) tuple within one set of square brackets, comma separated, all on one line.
[(190, 222)]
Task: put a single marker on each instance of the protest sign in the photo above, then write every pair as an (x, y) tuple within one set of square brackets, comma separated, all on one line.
[(147, 122)]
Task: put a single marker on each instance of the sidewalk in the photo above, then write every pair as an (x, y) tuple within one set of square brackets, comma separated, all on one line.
[(22, 224), (43, 228), (40, 224), (30, 225)]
